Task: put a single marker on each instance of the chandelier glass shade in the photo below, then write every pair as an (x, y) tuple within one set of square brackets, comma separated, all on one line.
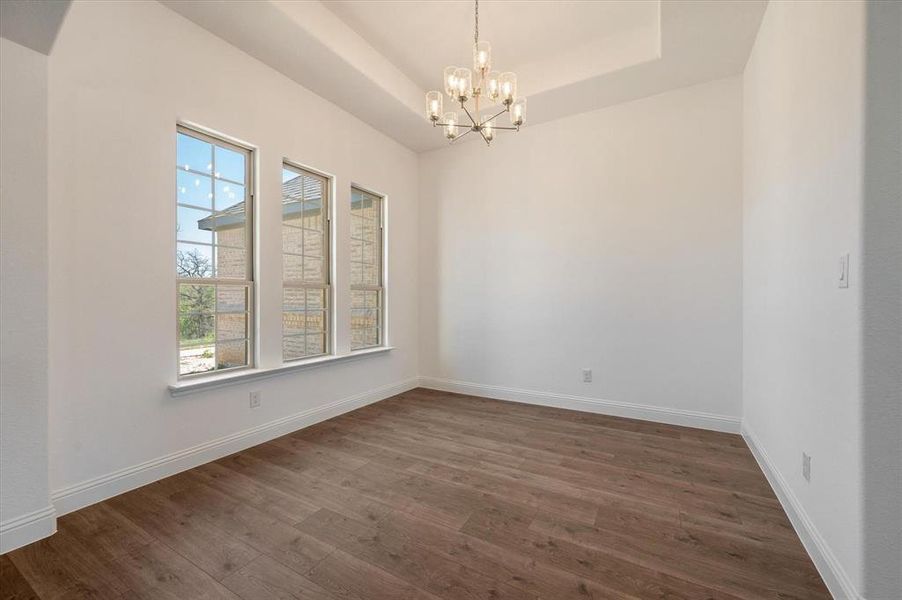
[(482, 86)]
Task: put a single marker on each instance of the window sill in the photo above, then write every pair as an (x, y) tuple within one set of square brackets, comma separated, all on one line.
[(190, 386)]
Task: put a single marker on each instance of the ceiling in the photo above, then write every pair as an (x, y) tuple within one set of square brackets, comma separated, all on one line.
[(32, 24), (376, 59), (424, 37)]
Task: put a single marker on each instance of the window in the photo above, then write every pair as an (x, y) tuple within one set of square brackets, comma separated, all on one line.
[(305, 264), (367, 293), (214, 267)]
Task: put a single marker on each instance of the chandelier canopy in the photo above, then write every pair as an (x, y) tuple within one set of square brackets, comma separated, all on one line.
[(494, 87)]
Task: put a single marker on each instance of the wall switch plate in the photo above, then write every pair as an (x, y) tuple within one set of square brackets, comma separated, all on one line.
[(256, 401), (844, 271), (806, 467), (587, 375)]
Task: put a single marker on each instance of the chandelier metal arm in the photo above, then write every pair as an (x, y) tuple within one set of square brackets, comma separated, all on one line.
[(464, 134), (485, 138), (473, 121), (440, 124), (496, 115)]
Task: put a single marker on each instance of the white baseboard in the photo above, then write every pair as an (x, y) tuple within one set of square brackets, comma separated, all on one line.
[(657, 414), (834, 576), (101, 488), (28, 528)]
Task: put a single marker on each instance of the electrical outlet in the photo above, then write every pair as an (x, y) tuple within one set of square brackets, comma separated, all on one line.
[(806, 467), (587, 375), (256, 401)]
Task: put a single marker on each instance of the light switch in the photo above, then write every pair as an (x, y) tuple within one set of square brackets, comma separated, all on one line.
[(844, 271)]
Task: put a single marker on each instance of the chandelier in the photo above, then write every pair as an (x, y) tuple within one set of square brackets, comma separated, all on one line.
[(490, 85)]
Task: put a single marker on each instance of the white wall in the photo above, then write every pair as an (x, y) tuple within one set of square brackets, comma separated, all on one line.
[(23, 296), (610, 240), (121, 75), (882, 304), (803, 151)]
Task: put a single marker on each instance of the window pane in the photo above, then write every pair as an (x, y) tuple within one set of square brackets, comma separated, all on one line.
[(231, 354), (193, 225), (316, 299), (194, 189), (230, 164), (292, 240), (313, 217), (316, 321), (291, 215), (193, 154), (356, 225), (291, 185), (356, 273), (194, 260), (231, 298), (316, 344), (313, 190), (364, 338), (358, 299), (313, 269), (292, 267), (356, 339), (293, 347), (367, 253), (293, 322), (370, 337), (293, 299), (369, 275), (229, 197), (196, 360), (231, 263), (196, 298), (364, 318), (195, 329), (231, 326), (231, 236), (314, 243)]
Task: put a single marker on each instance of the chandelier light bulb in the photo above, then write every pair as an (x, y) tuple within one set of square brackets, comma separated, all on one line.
[(433, 105), (518, 112), (492, 87), (482, 57), (488, 130), (451, 81), (450, 121), (508, 84), (464, 80)]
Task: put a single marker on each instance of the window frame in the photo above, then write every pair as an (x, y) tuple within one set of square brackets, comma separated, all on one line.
[(249, 282), (380, 288), (327, 285)]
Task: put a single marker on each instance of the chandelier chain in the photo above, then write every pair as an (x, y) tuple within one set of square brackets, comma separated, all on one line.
[(476, 32)]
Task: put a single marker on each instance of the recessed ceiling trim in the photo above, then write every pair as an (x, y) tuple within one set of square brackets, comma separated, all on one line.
[(586, 55)]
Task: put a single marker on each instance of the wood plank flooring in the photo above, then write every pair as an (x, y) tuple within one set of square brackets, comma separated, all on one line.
[(429, 496)]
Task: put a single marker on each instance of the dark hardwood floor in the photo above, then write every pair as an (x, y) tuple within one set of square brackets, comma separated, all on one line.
[(430, 495)]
